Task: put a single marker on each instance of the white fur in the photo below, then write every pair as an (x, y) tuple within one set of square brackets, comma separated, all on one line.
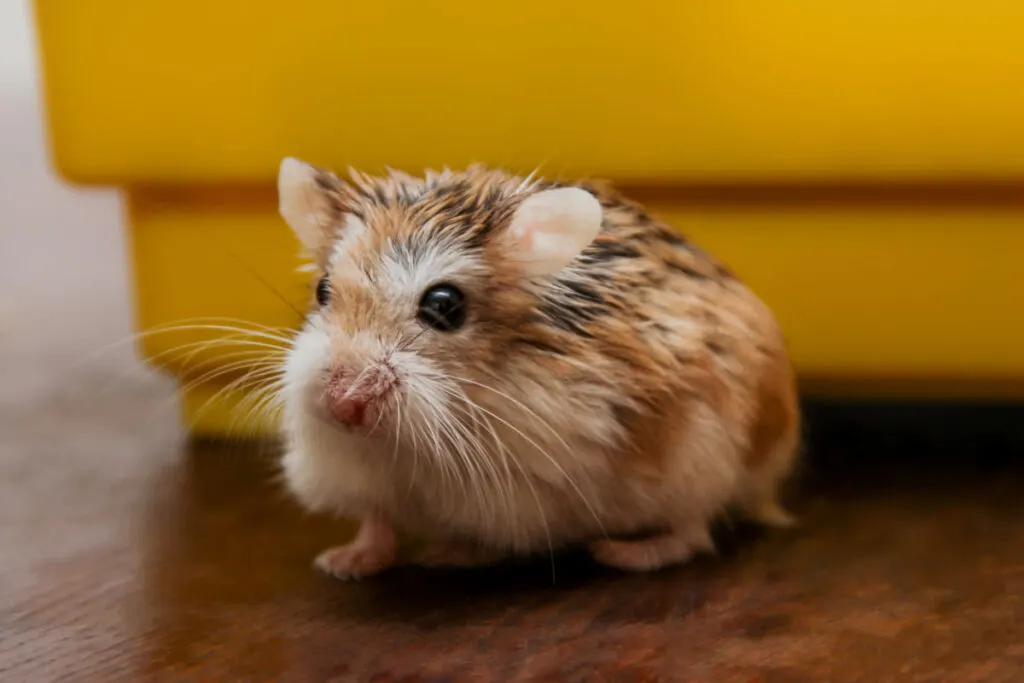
[(432, 266), (352, 229)]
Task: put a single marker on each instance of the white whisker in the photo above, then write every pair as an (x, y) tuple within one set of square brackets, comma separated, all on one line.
[(551, 459)]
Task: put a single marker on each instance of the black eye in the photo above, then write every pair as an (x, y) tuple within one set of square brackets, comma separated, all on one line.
[(323, 291), (443, 307)]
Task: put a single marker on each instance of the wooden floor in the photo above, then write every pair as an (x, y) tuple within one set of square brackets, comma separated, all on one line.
[(127, 555)]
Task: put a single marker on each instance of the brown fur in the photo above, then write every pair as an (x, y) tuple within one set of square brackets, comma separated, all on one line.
[(777, 416)]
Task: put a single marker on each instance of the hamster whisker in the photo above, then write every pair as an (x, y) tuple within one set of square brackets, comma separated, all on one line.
[(519, 404), (271, 396), (281, 341), (239, 423), (259, 351), (200, 346), (361, 375), (280, 347), (184, 324), (226, 320), (398, 439), (472, 466), (233, 385), (507, 456), (529, 483), (398, 428), (257, 348), (470, 469), (207, 376), (263, 281), (253, 373), (420, 429), (504, 486), (409, 342), (415, 458), (255, 358), (204, 325), (219, 371), (405, 345), (260, 402), (471, 457), (453, 390), (151, 363), (380, 416), (264, 399), (551, 459), (215, 370), (477, 455), (222, 369)]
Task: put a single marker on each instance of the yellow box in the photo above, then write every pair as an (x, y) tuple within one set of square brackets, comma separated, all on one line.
[(900, 278), (199, 92)]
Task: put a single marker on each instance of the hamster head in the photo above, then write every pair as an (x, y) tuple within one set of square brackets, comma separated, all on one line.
[(422, 284)]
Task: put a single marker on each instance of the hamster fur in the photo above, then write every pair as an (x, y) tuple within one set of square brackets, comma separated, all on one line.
[(600, 380)]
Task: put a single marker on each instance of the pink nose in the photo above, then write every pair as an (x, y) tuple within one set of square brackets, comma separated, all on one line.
[(348, 410), (350, 404)]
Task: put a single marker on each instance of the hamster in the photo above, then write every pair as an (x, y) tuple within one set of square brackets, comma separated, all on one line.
[(506, 366)]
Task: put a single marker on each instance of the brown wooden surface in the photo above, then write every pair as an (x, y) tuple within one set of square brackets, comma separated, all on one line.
[(128, 556)]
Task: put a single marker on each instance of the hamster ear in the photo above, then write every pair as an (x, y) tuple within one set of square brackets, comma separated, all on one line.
[(309, 199), (551, 228)]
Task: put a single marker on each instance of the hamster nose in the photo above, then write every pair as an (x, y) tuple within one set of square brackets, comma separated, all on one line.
[(356, 398), (347, 406), (348, 410)]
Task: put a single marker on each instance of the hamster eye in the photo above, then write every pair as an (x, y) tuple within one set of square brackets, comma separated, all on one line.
[(323, 291), (443, 307)]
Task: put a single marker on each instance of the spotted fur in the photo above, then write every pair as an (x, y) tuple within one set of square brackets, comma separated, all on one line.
[(643, 386)]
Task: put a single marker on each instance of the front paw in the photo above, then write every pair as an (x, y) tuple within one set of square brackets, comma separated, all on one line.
[(625, 555), (354, 561)]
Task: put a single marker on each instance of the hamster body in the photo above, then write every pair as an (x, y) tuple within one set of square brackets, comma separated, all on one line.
[(507, 366)]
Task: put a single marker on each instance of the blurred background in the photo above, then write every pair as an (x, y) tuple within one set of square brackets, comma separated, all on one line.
[(861, 164), (839, 157), (62, 249), (64, 295)]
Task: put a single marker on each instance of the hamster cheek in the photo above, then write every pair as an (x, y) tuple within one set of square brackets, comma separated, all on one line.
[(321, 473), (308, 360), (321, 466)]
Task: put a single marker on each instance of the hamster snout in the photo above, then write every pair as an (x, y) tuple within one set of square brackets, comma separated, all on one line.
[(354, 398)]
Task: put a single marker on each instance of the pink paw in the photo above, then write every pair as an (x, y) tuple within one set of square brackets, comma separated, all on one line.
[(355, 561), (626, 555), (652, 553)]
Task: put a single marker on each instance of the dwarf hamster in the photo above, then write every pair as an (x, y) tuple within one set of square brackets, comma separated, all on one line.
[(509, 365)]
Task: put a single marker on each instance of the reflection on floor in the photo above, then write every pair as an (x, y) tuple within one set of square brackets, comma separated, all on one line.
[(138, 559)]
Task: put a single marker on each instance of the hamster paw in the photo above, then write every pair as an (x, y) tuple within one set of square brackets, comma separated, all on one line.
[(770, 514), (652, 553), (353, 561), (373, 550)]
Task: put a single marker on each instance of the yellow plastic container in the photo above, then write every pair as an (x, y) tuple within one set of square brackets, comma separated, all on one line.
[(860, 163)]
